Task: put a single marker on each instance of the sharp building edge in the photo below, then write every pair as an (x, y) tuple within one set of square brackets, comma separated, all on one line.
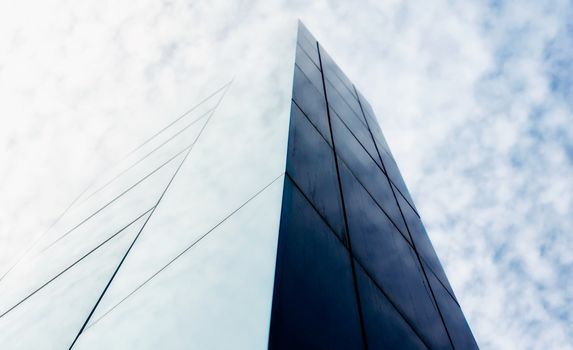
[(355, 267), (271, 214)]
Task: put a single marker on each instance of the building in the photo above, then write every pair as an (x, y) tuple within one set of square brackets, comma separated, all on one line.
[(271, 214)]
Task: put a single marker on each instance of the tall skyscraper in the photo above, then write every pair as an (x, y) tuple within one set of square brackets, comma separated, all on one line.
[(271, 214)]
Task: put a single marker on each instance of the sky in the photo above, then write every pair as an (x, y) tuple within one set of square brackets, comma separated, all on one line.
[(475, 100)]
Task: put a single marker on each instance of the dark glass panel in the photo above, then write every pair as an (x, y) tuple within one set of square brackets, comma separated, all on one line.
[(310, 163), (358, 129), (311, 101), (341, 89), (441, 275), (421, 240), (367, 172), (336, 75), (385, 327), (389, 259), (314, 303), (374, 126), (394, 173), (458, 327), (311, 71), (308, 43), (338, 102)]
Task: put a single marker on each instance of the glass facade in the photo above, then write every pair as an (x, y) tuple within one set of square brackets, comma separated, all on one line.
[(271, 215), (355, 267)]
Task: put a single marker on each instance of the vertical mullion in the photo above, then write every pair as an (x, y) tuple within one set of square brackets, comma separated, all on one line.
[(355, 282), (405, 222)]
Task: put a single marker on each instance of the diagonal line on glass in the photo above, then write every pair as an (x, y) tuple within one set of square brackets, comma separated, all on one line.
[(169, 125), (185, 251), (145, 223), (74, 263), (147, 155), (342, 200), (409, 233), (116, 198), (224, 87), (76, 199), (359, 263)]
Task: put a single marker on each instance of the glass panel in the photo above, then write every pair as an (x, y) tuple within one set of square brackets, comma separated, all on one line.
[(160, 147), (146, 190), (338, 78), (422, 241), (385, 327), (242, 149), (216, 295), (311, 101), (314, 305), (51, 318), (137, 168), (343, 92), (367, 172), (389, 259), (374, 126), (311, 164), (340, 92), (394, 174), (60, 249), (360, 132), (441, 275), (308, 43), (337, 102), (458, 327), (309, 69)]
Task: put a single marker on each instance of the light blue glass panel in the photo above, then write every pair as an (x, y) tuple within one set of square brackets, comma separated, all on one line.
[(216, 295), (60, 249), (241, 150), (172, 144), (51, 318), (134, 176)]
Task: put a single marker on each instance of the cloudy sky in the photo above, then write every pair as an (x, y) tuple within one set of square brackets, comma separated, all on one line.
[(475, 99)]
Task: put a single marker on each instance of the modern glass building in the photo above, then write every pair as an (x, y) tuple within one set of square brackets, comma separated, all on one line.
[(272, 214)]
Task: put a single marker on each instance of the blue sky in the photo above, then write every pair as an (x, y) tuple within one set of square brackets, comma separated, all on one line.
[(475, 99)]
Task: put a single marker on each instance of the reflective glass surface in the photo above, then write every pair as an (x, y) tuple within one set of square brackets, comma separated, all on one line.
[(358, 130), (59, 249), (52, 317), (308, 67), (314, 305), (374, 126), (308, 43), (199, 170), (385, 327), (337, 77), (458, 328), (392, 277), (260, 218), (392, 263), (236, 156), (394, 173), (311, 101), (220, 289), (422, 241), (366, 171), (441, 276), (314, 172)]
